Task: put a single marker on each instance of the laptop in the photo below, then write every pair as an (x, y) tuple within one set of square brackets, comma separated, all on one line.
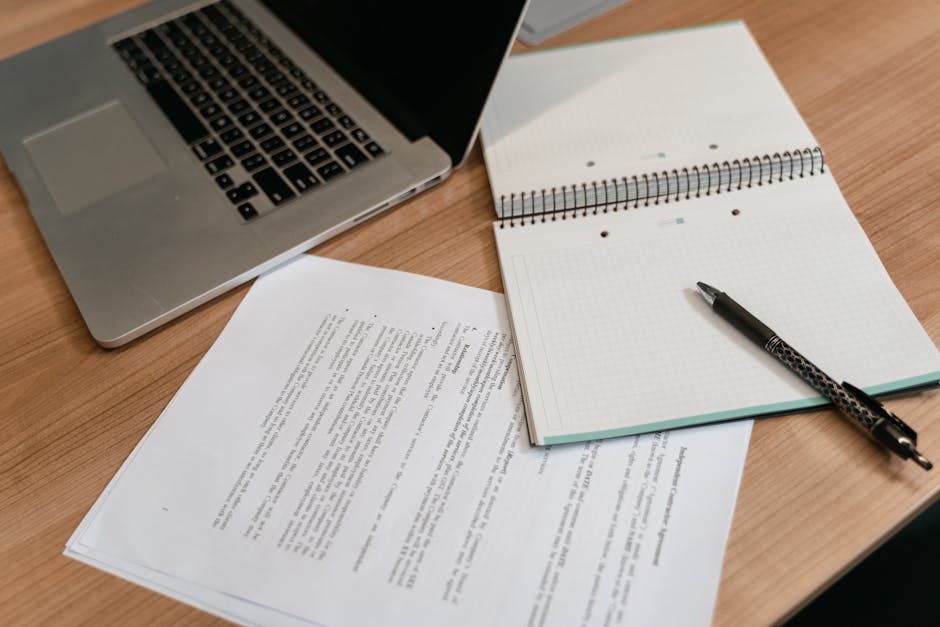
[(182, 148)]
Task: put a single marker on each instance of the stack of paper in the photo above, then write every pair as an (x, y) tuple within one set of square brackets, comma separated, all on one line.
[(353, 451)]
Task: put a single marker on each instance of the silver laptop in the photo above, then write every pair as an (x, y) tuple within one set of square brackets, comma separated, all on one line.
[(179, 149)]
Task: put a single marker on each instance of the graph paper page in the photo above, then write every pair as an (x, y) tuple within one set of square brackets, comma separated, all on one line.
[(613, 338)]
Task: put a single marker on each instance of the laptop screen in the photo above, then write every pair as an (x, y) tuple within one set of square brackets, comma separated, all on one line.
[(428, 71)]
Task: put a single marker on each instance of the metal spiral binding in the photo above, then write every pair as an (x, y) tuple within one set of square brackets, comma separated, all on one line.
[(581, 199)]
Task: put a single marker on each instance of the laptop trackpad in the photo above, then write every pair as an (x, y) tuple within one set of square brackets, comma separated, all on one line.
[(92, 156)]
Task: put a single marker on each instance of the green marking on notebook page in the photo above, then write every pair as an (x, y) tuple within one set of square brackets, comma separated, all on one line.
[(671, 222), (653, 155)]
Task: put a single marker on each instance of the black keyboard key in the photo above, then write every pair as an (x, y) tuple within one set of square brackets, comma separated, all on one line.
[(254, 162), (242, 192), (273, 185), (182, 76), (219, 163), (238, 107), (260, 131), (333, 110), (217, 84), (152, 40), (262, 65), (360, 135), (285, 89), (301, 177), (242, 44), (199, 62), (207, 148), (237, 71), (124, 46), (329, 170), (188, 50), (252, 53), (318, 155), (242, 148), (335, 138), (269, 105), (231, 33), (170, 29), (249, 119), (218, 50), (197, 28), (310, 113), (232, 135), (178, 112), (148, 74), (227, 94), (305, 143), (258, 93), (138, 62), (346, 122), (209, 72), (224, 181), (271, 144), (350, 155), (128, 49), (284, 157), (192, 22), (200, 99), (273, 77), (167, 58), (190, 88), (297, 101), (184, 44), (292, 130), (282, 117), (247, 82), (322, 125), (221, 123), (247, 211), (308, 84), (319, 96), (373, 149), (210, 110)]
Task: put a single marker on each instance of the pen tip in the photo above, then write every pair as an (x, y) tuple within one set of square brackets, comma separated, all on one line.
[(708, 292), (922, 461)]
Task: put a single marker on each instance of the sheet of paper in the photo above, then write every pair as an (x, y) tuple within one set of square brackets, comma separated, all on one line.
[(648, 103), (353, 447)]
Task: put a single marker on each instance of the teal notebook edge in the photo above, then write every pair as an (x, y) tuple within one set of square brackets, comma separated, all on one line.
[(904, 385)]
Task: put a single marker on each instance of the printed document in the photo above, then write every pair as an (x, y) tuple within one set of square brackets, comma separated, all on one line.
[(353, 451)]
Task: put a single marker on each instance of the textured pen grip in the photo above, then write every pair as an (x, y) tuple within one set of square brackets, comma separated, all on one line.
[(820, 381)]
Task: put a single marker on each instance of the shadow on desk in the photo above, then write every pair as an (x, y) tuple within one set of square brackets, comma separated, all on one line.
[(895, 585)]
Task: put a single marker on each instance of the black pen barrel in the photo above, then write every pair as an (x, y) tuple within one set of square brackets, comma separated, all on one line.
[(742, 320)]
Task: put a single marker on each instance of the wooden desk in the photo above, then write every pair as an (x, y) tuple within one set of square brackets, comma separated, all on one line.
[(816, 497)]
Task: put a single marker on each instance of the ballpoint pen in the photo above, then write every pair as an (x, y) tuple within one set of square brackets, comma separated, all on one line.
[(865, 411)]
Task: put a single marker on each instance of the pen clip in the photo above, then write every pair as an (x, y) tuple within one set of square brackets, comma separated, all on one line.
[(873, 405)]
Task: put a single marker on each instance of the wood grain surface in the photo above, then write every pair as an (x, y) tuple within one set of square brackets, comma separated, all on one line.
[(816, 496)]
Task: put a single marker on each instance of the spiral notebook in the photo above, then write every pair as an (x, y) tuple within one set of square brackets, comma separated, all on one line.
[(625, 171)]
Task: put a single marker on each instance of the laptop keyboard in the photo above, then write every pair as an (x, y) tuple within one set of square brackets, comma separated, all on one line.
[(262, 129)]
